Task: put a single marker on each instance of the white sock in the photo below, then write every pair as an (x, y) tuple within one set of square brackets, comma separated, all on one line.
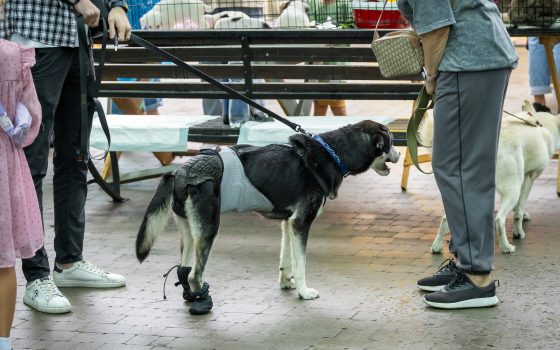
[(5, 344)]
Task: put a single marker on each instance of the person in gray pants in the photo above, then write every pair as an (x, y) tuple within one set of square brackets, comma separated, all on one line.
[(468, 58)]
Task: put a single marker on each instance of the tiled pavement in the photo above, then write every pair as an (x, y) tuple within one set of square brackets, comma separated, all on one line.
[(365, 253)]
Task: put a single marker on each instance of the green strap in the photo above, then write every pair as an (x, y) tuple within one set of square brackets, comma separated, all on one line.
[(424, 101)]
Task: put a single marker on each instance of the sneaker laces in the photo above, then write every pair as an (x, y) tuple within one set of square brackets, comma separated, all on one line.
[(92, 268), (460, 279), (448, 264), (48, 288)]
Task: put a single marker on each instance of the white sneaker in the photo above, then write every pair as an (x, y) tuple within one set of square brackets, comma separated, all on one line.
[(85, 274), (43, 295)]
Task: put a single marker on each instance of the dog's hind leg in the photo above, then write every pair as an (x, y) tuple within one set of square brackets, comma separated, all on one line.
[(187, 253), (187, 246), (286, 278), (519, 211), (437, 245), (203, 215), (508, 201)]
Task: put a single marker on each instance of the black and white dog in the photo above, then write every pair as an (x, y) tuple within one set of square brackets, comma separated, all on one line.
[(287, 182)]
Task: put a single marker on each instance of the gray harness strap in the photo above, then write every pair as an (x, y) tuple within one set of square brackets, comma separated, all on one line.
[(237, 192)]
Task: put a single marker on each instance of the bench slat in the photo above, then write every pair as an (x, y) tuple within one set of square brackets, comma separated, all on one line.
[(258, 36), (279, 53), (260, 71), (287, 90)]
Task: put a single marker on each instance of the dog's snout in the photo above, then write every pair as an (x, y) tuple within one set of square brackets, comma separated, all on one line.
[(393, 155)]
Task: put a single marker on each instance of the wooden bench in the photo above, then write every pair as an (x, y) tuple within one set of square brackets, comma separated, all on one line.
[(291, 66)]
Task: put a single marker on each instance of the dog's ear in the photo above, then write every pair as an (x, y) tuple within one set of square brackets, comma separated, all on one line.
[(528, 107), (282, 5), (379, 142)]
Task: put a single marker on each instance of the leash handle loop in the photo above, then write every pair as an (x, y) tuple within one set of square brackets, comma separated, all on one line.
[(423, 103)]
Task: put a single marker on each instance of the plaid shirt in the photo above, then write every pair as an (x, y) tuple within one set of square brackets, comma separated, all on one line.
[(51, 22)]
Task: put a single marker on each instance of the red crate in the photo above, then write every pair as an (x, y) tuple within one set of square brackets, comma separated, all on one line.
[(366, 14)]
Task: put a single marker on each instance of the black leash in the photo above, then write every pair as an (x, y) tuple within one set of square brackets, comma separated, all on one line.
[(234, 94), (90, 82)]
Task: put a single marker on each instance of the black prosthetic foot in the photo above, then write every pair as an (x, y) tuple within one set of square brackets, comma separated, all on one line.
[(201, 301)]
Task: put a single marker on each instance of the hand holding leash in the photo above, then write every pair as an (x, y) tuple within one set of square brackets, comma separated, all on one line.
[(89, 11), (119, 26)]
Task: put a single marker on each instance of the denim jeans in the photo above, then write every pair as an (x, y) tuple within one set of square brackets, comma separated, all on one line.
[(539, 74), (238, 111)]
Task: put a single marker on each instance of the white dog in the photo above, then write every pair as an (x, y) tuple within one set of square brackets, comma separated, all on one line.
[(234, 20), (175, 14), (524, 151), (293, 14)]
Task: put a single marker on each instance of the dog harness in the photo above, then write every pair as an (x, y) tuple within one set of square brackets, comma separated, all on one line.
[(224, 167), (238, 193)]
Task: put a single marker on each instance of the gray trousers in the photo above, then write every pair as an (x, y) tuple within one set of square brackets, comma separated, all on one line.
[(467, 119)]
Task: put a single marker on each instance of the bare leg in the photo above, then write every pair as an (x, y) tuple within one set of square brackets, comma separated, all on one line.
[(339, 108), (539, 99), (319, 108), (164, 158), (7, 300)]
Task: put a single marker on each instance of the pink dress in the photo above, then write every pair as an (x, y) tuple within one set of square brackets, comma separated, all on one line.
[(21, 228)]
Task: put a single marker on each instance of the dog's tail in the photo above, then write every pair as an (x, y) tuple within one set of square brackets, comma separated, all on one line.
[(156, 217)]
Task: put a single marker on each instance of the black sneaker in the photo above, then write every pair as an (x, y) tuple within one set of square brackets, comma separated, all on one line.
[(540, 108), (462, 293), (442, 277)]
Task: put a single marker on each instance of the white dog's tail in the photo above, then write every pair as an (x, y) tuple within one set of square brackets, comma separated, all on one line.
[(156, 217)]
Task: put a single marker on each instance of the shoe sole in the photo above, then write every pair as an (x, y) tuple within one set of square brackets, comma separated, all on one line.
[(49, 310), (430, 288), (471, 303), (88, 284)]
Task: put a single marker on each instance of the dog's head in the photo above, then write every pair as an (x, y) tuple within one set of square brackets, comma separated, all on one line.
[(380, 141), (549, 121), (293, 14), (359, 146)]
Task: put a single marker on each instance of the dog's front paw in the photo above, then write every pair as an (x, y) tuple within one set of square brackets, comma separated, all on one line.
[(309, 294), (437, 247), (508, 249), (518, 233), (287, 283)]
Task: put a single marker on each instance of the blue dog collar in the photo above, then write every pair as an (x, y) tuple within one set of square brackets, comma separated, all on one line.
[(343, 168)]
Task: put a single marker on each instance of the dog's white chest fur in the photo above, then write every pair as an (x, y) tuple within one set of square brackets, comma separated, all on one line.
[(237, 192)]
